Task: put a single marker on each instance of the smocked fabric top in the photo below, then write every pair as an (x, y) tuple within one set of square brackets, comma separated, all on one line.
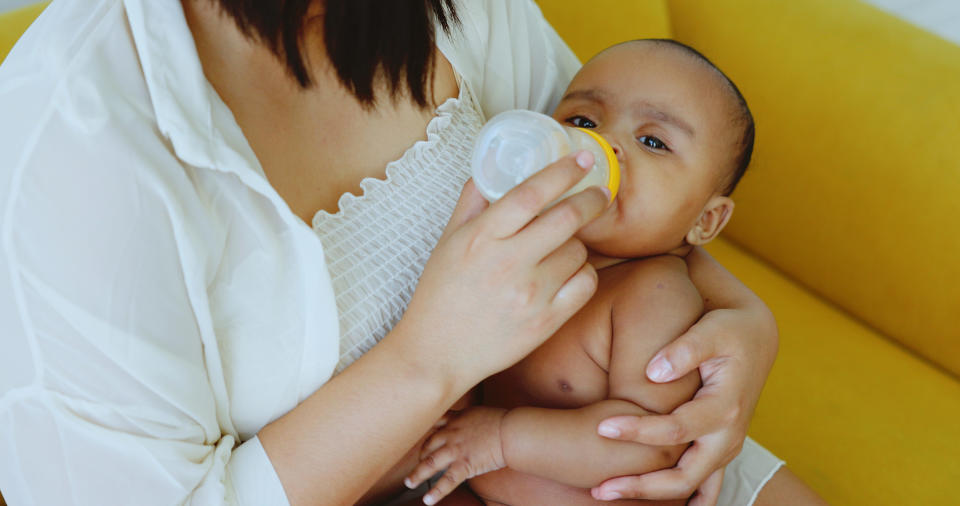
[(377, 243)]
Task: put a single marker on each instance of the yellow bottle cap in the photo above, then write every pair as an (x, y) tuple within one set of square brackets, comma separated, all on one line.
[(613, 181)]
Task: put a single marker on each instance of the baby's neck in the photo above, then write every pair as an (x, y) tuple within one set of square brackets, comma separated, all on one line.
[(600, 261)]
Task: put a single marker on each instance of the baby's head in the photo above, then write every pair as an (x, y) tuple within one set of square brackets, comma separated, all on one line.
[(683, 135)]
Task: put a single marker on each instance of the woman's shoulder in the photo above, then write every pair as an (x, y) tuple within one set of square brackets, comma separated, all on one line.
[(78, 119)]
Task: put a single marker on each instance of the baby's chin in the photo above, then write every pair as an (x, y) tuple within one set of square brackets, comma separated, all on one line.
[(604, 237), (606, 241)]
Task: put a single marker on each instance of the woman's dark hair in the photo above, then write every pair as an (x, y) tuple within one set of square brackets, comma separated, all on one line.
[(745, 118), (366, 40)]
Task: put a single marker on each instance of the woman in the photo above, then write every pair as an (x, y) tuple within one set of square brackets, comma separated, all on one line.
[(174, 321)]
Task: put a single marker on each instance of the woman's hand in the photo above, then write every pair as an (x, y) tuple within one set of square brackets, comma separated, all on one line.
[(502, 280), (734, 350)]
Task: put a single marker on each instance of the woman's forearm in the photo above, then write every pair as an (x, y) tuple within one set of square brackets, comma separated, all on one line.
[(336, 444), (720, 289), (563, 445)]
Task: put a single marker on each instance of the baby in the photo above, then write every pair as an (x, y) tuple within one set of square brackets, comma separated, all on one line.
[(684, 136)]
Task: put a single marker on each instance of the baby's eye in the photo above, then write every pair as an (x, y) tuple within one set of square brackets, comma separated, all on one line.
[(582, 122), (652, 142)]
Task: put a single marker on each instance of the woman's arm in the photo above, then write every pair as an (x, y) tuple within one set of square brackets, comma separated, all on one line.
[(734, 346), (500, 282)]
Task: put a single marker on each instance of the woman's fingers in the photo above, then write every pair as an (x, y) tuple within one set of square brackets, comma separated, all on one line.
[(470, 204), (521, 204), (690, 421), (694, 467), (560, 265), (548, 231), (683, 355), (709, 493), (573, 294), (502, 289)]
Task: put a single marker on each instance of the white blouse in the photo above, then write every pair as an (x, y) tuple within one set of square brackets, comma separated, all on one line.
[(159, 302)]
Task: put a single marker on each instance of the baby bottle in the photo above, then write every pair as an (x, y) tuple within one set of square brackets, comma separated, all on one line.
[(514, 145)]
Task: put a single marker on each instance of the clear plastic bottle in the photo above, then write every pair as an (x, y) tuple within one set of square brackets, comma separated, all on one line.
[(514, 145)]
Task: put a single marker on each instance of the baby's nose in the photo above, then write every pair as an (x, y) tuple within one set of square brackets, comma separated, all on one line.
[(617, 150)]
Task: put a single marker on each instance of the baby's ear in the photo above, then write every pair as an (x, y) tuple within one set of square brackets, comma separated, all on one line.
[(714, 217)]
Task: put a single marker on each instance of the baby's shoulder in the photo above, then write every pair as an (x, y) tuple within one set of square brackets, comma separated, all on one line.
[(637, 281)]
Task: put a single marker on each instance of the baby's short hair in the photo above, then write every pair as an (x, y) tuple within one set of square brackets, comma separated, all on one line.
[(744, 116)]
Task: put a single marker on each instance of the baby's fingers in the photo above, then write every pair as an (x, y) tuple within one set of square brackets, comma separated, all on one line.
[(429, 466), (434, 443), (455, 475)]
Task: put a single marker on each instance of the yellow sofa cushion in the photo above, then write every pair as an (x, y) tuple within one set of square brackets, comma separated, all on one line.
[(855, 186), (589, 27), (14, 23), (832, 199), (862, 420)]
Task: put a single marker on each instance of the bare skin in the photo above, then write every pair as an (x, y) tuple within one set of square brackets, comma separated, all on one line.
[(309, 145), (440, 349), (670, 132), (315, 144)]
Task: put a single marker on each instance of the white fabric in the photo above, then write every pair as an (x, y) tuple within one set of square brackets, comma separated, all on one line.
[(747, 474), (378, 242), (159, 303)]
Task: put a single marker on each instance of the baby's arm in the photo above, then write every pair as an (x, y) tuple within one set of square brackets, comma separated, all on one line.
[(661, 304), (658, 304)]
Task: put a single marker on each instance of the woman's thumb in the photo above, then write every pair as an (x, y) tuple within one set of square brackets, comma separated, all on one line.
[(678, 358), (469, 206)]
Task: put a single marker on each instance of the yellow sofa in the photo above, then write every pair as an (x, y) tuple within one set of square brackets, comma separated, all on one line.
[(845, 225)]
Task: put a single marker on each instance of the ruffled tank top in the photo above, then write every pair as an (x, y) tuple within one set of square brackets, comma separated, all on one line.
[(377, 243)]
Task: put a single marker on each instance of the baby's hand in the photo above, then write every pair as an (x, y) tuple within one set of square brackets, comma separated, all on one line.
[(467, 446)]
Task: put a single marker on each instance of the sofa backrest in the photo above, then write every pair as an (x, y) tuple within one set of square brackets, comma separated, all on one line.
[(855, 183), (14, 23), (588, 27)]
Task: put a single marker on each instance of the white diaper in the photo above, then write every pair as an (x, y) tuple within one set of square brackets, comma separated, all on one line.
[(747, 474)]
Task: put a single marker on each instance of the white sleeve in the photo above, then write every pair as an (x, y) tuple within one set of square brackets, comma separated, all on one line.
[(511, 57), (106, 396)]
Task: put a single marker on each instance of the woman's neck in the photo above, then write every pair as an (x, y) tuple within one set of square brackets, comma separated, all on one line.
[(240, 68), (317, 143)]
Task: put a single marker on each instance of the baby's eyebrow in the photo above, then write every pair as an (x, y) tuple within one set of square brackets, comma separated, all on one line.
[(590, 94), (658, 113), (642, 108)]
